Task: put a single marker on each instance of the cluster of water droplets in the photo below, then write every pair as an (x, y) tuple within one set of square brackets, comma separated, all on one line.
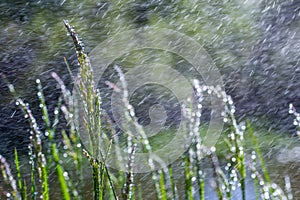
[(292, 110)]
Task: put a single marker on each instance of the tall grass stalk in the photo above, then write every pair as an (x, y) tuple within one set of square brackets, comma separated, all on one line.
[(36, 145), (9, 179), (140, 135), (90, 98), (128, 190)]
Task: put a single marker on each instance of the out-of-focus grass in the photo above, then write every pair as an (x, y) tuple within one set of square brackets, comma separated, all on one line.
[(267, 140)]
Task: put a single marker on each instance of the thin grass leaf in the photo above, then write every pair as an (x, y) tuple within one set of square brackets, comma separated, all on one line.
[(254, 174), (97, 173), (140, 193), (60, 173), (32, 178), (24, 190), (173, 186), (19, 177), (188, 178), (258, 152), (162, 185), (111, 184)]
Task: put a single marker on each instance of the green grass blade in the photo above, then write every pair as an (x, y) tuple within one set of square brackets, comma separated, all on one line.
[(45, 185), (32, 178), (188, 178), (258, 152), (19, 179), (162, 185), (173, 186), (24, 190), (140, 193), (60, 173)]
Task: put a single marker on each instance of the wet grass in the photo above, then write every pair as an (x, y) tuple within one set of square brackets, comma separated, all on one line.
[(107, 183)]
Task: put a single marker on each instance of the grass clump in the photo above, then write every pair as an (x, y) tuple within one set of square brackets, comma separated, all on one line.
[(107, 184)]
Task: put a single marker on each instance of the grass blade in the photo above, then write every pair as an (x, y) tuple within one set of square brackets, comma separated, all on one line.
[(19, 179), (258, 152)]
